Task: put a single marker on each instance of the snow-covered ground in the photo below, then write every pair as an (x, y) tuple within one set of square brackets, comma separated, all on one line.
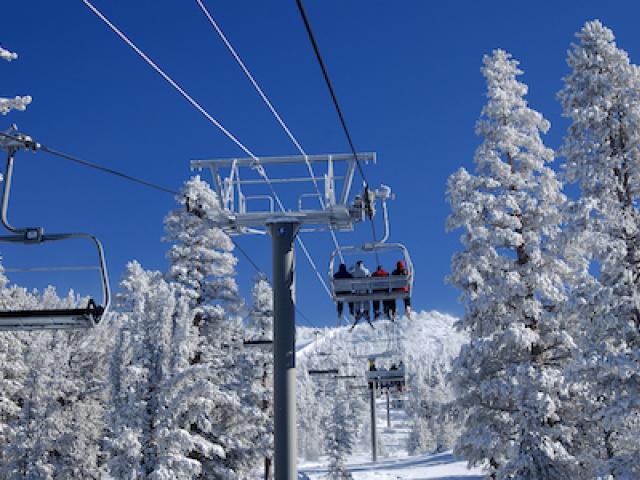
[(440, 466)]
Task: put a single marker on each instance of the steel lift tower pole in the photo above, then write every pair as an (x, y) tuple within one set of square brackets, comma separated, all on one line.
[(283, 233), (374, 426)]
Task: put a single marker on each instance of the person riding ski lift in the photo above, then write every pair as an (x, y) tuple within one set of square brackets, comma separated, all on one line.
[(372, 368), (343, 273), (362, 307), (401, 269), (380, 272), (401, 384)]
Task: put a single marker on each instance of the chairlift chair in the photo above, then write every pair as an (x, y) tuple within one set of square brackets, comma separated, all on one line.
[(371, 288), (387, 378), (48, 319)]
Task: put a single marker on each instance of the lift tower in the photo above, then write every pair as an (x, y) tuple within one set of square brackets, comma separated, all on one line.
[(240, 184)]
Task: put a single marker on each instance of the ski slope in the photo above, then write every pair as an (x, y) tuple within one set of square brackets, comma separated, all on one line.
[(432, 335), (440, 466)]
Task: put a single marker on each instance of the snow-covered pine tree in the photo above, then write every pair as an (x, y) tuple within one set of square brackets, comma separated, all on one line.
[(260, 321), (140, 367), (601, 97), (28, 456), (509, 378), (338, 439), (16, 103), (76, 370), (50, 440), (81, 449), (205, 401), (259, 390), (431, 409), (13, 369), (310, 408)]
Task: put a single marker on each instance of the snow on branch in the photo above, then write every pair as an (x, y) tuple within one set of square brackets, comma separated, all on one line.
[(7, 55), (17, 103)]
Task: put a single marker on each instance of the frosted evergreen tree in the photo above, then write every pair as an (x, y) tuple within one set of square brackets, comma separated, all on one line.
[(205, 401), (338, 440), (61, 381), (601, 97), (16, 103), (28, 456), (434, 416), (261, 313), (13, 369), (360, 419), (85, 403), (310, 405), (76, 371), (509, 378), (140, 367), (258, 370)]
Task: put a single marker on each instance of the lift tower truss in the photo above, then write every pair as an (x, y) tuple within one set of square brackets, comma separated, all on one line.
[(332, 209), (244, 190)]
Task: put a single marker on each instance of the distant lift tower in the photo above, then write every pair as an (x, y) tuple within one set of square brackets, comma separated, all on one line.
[(249, 204)]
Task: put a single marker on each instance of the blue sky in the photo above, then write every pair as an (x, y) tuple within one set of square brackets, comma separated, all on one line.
[(406, 73)]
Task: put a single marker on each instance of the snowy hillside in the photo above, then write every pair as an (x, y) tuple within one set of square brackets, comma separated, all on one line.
[(439, 466), (428, 333), (425, 344)]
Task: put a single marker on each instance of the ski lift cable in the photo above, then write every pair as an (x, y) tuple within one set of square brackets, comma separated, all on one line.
[(273, 110), (249, 259), (37, 146), (195, 104), (72, 268), (343, 122), (169, 80), (334, 98)]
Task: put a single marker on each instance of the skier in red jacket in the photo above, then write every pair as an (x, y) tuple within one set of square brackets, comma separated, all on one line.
[(401, 269), (380, 272)]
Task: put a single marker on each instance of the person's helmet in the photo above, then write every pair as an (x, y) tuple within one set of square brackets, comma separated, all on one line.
[(400, 264)]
